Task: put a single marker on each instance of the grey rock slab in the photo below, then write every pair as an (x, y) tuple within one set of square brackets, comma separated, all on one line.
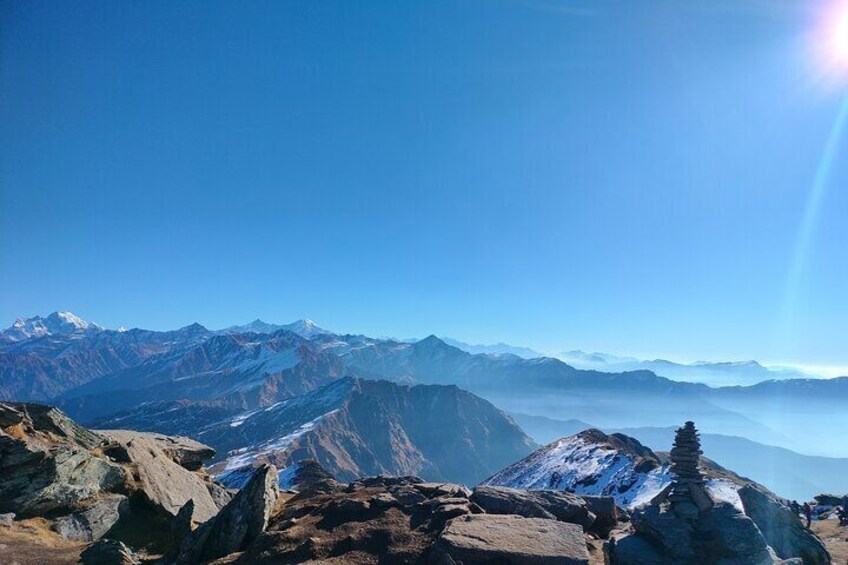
[(163, 482), (92, 523), (555, 504), (484, 538)]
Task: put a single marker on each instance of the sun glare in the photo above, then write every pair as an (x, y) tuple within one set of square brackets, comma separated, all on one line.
[(839, 38)]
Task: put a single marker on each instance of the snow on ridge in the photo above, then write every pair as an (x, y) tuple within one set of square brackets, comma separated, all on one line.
[(582, 467), (245, 456), (576, 465)]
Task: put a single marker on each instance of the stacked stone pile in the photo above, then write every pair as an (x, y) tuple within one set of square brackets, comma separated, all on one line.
[(688, 494)]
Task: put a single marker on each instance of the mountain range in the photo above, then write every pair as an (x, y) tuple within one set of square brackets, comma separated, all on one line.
[(725, 373), (352, 427), (192, 379)]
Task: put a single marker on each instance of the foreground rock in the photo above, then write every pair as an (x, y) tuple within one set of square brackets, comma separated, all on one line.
[(86, 485), (721, 534), (513, 539), (405, 520), (239, 523), (47, 462), (95, 521), (685, 525), (158, 476), (781, 528)]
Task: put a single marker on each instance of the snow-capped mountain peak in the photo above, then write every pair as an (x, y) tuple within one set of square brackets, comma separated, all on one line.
[(57, 323), (304, 328)]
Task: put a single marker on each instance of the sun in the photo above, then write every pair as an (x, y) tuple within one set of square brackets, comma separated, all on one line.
[(839, 38)]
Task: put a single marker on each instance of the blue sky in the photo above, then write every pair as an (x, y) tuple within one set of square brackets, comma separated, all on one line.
[(617, 176)]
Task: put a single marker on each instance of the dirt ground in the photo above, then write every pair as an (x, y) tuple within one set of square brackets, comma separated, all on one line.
[(30, 542), (835, 537)]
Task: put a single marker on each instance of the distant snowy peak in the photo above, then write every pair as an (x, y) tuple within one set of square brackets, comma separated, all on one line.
[(57, 323), (494, 349), (615, 465), (304, 328)]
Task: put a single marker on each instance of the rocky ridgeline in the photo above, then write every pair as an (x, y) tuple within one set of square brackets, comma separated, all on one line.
[(127, 498), (120, 497), (685, 525), (406, 520)]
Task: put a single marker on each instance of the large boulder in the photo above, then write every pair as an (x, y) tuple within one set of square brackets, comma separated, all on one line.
[(605, 511), (158, 477), (720, 535), (549, 504), (94, 521), (485, 538), (239, 523), (781, 527), (731, 538)]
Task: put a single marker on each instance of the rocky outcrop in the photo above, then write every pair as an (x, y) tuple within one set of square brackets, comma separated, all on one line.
[(387, 519), (156, 475), (239, 523), (549, 504), (721, 534), (376, 519), (781, 527), (48, 462), (684, 525), (487, 538), (87, 485)]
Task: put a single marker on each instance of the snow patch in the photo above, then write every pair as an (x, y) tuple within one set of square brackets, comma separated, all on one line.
[(245, 456)]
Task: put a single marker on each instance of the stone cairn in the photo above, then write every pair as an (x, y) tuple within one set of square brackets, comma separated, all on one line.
[(688, 494)]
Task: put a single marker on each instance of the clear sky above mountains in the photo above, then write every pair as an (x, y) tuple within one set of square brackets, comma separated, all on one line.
[(616, 176)]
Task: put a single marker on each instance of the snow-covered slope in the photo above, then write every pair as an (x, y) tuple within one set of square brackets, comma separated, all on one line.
[(615, 465)]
